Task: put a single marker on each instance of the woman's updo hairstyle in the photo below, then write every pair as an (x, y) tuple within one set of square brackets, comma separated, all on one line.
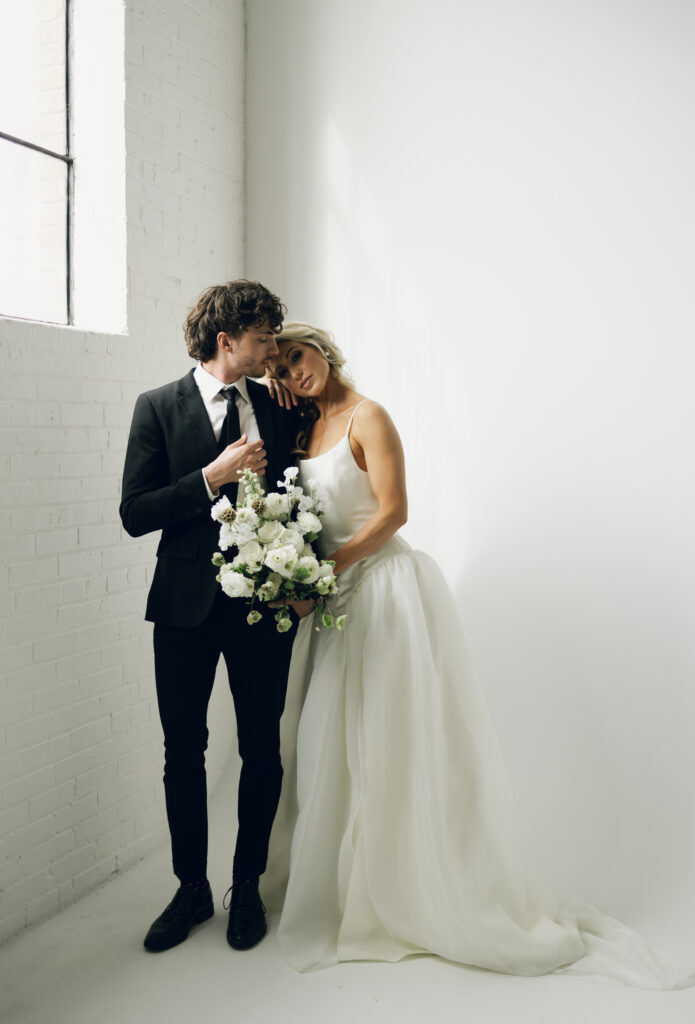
[(306, 334)]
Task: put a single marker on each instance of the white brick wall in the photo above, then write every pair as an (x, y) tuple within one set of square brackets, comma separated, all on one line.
[(80, 754)]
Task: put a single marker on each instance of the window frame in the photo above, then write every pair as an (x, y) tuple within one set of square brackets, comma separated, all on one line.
[(68, 159)]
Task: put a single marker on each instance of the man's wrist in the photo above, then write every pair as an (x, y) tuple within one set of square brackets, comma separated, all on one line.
[(209, 481)]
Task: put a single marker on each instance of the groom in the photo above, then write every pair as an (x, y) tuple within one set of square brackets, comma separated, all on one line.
[(189, 441)]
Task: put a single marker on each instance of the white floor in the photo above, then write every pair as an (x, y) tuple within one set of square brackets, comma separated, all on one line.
[(88, 966)]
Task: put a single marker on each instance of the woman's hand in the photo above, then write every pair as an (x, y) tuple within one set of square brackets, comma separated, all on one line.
[(302, 608), (282, 394)]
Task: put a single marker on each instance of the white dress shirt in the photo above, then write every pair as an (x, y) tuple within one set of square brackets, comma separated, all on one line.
[(216, 407)]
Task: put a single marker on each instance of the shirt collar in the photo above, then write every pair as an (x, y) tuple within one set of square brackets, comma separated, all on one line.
[(210, 386)]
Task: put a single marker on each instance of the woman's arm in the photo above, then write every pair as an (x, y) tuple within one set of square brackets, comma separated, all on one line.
[(279, 391), (377, 448)]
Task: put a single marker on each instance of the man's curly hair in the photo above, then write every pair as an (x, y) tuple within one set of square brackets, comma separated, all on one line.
[(232, 308)]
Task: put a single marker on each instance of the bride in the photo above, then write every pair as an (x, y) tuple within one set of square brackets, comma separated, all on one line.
[(405, 840)]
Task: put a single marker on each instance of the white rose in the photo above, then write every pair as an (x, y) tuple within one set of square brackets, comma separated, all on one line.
[(276, 506), (308, 522), (270, 532), (281, 560), (236, 585), (306, 570)]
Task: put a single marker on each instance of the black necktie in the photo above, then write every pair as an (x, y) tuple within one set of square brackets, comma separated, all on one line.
[(231, 430)]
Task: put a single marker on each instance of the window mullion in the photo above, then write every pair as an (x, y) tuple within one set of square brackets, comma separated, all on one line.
[(65, 157)]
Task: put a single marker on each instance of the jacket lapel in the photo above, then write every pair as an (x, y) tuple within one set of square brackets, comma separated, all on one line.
[(193, 408)]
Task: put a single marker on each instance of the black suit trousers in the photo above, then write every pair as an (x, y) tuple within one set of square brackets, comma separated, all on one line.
[(257, 659)]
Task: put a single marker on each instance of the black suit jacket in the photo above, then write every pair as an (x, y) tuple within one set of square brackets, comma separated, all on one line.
[(171, 439)]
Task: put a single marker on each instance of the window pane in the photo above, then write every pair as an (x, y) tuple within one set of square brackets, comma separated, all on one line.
[(33, 234), (32, 71)]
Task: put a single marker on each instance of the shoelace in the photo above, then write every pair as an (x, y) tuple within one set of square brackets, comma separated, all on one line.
[(245, 893)]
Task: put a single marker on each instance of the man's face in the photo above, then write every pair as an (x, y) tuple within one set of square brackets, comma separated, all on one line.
[(252, 350)]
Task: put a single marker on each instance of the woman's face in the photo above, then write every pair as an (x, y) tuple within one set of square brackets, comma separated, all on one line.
[(302, 368)]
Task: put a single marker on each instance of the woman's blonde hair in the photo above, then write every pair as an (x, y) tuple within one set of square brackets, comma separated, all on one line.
[(306, 334), (319, 339)]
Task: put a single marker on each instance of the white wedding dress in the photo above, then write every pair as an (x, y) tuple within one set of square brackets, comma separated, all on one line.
[(405, 839)]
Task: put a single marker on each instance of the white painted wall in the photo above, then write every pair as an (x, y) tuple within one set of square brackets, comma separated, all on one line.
[(81, 751), (491, 205)]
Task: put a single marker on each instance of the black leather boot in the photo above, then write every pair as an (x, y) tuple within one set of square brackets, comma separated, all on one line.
[(190, 906), (247, 924)]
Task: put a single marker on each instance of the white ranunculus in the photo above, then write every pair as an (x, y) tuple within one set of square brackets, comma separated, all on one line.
[(325, 569), (270, 532), (252, 555), (276, 506), (306, 569), (281, 560), (308, 522), (236, 585), (295, 539), (242, 534)]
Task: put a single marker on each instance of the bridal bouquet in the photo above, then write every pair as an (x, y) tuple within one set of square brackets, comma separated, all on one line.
[(275, 561)]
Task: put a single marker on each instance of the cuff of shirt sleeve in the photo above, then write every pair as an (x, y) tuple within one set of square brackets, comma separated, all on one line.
[(212, 495)]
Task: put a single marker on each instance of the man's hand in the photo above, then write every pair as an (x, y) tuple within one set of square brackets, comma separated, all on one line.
[(236, 457)]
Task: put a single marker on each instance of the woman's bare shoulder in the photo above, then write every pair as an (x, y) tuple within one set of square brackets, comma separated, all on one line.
[(368, 410), (372, 420)]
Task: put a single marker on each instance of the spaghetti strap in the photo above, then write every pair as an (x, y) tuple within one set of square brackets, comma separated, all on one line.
[(347, 429)]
